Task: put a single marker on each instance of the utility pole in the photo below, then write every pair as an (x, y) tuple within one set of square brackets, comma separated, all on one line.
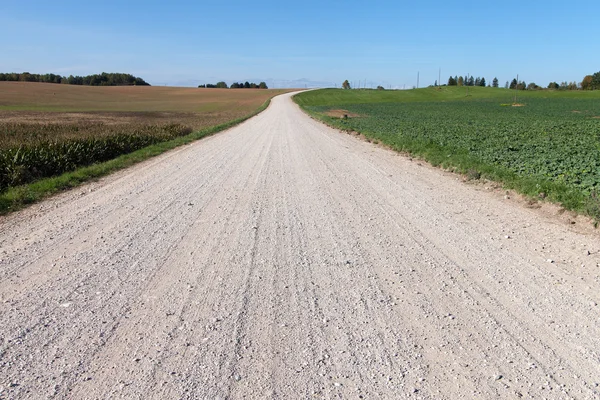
[(467, 83), (418, 79), (516, 88)]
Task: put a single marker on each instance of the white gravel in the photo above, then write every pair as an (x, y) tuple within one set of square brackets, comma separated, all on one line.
[(282, 259)]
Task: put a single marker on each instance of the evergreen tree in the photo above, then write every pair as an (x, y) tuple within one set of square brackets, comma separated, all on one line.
[(495, 83), (595, 84)]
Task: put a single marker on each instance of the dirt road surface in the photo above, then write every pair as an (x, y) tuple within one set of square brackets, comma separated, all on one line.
[(283, 259)]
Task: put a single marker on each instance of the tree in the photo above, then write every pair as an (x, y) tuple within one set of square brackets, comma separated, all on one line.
[(513, 83), (246, 85), (346, 84), (380, 88), (495, 82), (482, 82), (460, 81), (553, 85), (521, 85), (506, 85), (596, 81), (451, 81), (262, 85), (586, 83), (532, 86), (221, 85), (471, 81)]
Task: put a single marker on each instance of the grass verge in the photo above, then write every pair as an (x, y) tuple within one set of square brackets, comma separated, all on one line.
[(18, 197)]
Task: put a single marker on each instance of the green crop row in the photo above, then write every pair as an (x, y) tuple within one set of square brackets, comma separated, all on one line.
[(41, 154)]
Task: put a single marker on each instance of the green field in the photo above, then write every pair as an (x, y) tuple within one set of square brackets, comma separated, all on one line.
[(546, 146)]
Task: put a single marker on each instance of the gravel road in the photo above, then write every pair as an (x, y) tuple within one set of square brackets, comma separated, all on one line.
[(283, 259)]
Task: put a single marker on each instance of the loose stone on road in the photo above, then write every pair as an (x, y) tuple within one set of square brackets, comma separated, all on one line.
[(284, 259)]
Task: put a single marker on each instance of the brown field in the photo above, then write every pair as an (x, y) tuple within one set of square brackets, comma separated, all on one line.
[(29, 96), (44, 103), (47, 129)]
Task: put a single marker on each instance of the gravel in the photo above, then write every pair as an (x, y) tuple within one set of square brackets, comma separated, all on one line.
[(271, 253)]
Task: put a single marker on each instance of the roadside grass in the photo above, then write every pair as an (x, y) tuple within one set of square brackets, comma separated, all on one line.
[(548, 149), (17, 197)]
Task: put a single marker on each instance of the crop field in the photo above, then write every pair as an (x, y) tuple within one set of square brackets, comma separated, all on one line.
[(548, 145), (48, 129)]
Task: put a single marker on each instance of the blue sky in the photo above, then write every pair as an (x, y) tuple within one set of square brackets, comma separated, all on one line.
[(308, 42)]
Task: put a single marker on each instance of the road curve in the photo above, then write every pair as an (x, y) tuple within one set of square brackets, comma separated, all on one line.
[(283, 259)]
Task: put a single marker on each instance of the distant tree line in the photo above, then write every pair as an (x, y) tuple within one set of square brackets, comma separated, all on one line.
[(466, 81), (218, 85), (103, 79), (589, 82), (235, 85)]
